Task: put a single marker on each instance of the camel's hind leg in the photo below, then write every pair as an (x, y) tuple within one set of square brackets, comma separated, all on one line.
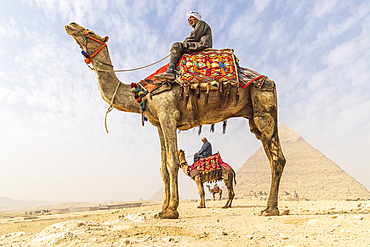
[(230, 188), (264, 126)]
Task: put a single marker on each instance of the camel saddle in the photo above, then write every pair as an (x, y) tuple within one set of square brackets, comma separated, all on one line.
[(209, 167)]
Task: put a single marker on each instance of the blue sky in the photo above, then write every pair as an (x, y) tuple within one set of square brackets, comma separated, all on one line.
[(53, 142)]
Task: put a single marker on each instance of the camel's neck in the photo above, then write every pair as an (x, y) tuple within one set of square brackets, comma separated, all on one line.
[(124, 100), (184, 167)]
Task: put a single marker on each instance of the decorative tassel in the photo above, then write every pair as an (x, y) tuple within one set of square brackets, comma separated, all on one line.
[(206, 98), (187, 95), (220, 90), (140, 93), (133, 84), (200, 130), (138, 99), (136, 96), (143, 108), (237, 95), (224, 127), (198, 91), (212, 129), (133, 90), (88, 60), (181, 96), (228, 87), (207, 94), (142, 119)]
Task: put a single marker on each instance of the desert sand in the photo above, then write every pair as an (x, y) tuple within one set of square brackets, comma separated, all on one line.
[(309, 223)]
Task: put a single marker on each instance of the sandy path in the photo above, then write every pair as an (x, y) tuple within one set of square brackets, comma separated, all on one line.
[(329, 223)]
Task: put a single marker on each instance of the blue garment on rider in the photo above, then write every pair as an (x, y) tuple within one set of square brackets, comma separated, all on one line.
[(204, 152)]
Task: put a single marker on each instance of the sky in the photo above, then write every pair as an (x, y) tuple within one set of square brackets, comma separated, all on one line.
[(53, 144)]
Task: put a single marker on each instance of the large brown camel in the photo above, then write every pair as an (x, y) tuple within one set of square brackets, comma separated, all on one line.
[(222, 174), (168, 114), (214, 192)]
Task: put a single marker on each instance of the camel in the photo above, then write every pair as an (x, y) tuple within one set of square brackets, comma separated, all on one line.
[(165, 112), (214, 192), (227, 175)]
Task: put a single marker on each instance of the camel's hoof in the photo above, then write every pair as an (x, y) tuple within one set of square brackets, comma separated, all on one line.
[(226, 206), (270, 212), (201, 206), (168, 214)]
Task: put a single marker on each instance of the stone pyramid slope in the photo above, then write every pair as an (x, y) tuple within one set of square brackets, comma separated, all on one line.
[(308, 172)]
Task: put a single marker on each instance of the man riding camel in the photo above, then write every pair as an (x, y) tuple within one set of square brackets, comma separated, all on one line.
[(200, 38), (205, 150)]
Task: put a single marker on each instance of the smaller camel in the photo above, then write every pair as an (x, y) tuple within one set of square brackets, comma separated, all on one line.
[(223, 174), (215, 191)]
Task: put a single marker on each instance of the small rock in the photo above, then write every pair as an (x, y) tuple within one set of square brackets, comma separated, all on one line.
[(168, 239), (358, 217), (285, 212), (284, 237), (224, 233), (249, 236)]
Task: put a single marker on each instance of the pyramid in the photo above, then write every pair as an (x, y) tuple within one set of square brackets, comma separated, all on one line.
[(307, 171), (158, 196)]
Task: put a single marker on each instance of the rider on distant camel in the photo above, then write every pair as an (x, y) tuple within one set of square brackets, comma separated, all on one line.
[(205, 150), (200, 38)]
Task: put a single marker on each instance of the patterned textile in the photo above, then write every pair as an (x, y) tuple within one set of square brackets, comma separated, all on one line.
[(247, 76), (206, 66), (207, 165), (150, 83)]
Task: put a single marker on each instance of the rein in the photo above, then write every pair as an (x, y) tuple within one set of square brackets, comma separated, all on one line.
[(86, 53), (89, 57)]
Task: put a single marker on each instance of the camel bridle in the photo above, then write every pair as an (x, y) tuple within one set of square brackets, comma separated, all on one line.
[(86, 53)]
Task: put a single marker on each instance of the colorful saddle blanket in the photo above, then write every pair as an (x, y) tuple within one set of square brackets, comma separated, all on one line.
[(207, 165), (208, 65)]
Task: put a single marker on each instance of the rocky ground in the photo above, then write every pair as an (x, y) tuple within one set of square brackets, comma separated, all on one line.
[(309, 223)]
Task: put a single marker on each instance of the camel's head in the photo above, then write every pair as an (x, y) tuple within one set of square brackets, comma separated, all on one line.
[(182, 156), (79, 33)]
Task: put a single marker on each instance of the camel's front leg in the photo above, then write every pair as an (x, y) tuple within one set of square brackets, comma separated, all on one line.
[(198, 181), (164, 172), (168, 126), (264, 126)]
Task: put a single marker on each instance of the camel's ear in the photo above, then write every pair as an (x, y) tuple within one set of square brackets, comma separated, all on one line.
[(105, 39)]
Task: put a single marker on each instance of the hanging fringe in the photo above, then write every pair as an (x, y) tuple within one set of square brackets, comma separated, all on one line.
[(187, 95), (212, 129), (224, 127), (200, 130), (198, 91), (228, 88), (220, 90), (207, 93), (181, 96), (237, 95)]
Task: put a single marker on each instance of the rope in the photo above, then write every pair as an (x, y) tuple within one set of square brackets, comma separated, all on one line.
[(110, 108), (126, 70)]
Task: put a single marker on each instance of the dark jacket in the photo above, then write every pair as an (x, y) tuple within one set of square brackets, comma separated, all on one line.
[(200, 38), (205, 150)]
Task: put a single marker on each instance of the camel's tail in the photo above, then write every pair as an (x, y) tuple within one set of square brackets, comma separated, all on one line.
[(234, 176)]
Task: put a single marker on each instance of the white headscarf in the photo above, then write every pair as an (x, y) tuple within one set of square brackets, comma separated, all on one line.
[(194, 14)]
